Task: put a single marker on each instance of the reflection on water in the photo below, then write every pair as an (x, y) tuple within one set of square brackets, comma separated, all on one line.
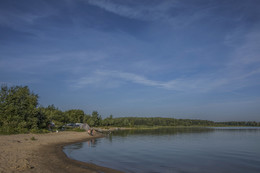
[(158, 132), (92, 143), (174, 150), (162, 131)]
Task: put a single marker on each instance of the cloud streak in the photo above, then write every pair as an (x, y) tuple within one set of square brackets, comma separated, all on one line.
[(12, 16), (204, 83), (147, 12), (239, 72)]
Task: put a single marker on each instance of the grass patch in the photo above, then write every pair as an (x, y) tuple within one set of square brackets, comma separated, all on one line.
[(37, 131)]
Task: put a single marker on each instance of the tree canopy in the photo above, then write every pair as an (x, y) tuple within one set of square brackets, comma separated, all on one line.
[(18, 109), (19, 113)]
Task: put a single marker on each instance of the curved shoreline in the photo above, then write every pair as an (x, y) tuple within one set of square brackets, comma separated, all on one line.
[(44, 153), (80, 166)]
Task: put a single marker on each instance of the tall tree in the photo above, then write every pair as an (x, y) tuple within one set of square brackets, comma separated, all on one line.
[(18, 109), (55, 115), (95, 120), (75, 115)]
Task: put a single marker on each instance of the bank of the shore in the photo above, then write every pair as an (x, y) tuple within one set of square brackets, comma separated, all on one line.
[(43, 153)]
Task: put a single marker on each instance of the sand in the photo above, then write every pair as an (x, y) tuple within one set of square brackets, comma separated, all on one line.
[(43, 153)]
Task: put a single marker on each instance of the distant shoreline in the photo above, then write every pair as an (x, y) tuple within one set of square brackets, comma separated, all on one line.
[(43, 153)]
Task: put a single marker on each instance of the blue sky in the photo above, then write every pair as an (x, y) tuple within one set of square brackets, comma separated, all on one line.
[(195, 59)]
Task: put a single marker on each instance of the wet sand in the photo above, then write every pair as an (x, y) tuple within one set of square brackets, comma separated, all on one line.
[(43, 153)]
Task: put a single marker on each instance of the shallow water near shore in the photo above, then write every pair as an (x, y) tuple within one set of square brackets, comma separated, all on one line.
[(221, 149)]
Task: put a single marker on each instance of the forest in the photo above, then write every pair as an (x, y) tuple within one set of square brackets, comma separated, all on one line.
[(20, 113)]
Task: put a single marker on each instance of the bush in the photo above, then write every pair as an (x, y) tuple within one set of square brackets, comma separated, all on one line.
[(18, 110), (39, 131), (7, 130)]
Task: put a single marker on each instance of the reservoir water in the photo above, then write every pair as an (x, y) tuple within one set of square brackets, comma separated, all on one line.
[(180, 150)]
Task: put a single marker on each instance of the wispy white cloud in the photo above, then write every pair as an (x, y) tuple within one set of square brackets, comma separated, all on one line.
[(64, 60), (142, 12), (199, 84), (242, 70), (249, 52), (171, 12), (129, 77), (244, 60), (11, 17)]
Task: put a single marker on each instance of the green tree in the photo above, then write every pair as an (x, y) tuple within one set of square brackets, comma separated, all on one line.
[(18, 110), (75, 115), (55, 115), (86, 118), (95, 119), (109, 121)]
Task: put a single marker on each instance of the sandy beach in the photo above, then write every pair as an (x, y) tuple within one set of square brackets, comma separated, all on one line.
[(43, 153)]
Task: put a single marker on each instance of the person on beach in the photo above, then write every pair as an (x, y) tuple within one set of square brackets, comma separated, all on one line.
[(90, 132)]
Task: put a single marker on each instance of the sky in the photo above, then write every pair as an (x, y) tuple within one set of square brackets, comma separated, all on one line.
[(197, 59)]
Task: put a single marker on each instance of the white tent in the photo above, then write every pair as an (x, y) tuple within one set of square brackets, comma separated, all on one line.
[(85, 126)]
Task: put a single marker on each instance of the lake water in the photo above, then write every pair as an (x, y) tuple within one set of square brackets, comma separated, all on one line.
[(180, 150)]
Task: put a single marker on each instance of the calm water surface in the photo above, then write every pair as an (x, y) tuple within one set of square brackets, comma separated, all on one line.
[(181, 150)]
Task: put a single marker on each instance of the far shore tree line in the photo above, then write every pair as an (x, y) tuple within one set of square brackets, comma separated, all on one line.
[(20, 113)]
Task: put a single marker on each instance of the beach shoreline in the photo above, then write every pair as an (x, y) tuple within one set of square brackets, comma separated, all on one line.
[(44, 153)]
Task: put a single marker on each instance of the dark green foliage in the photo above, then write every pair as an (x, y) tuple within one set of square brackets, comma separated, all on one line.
[(86, 118), (159, 121), (238, 123), (95, 119), (108, 121), (18, 110), (154, 121), (75, 115), (55, 115), (19, 113)]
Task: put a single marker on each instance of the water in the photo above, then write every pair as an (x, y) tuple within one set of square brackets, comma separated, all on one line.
[(177, 150)]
